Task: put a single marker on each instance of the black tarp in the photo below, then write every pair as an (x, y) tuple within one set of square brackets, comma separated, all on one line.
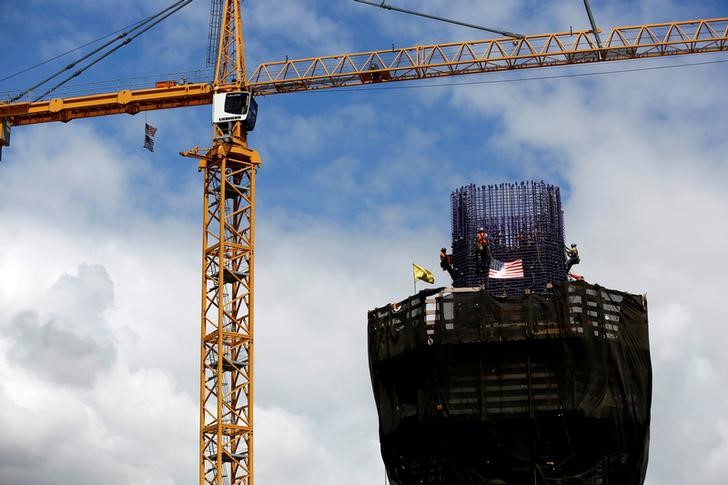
[(540, 389)]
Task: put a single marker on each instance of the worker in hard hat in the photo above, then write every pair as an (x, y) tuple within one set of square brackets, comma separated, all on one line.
[(483, 250), (446, 263), (572, 253)]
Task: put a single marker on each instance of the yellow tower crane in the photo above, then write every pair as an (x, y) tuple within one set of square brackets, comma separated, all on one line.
[(229, 166)]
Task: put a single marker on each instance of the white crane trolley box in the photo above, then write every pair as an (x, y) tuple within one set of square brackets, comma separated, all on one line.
[(234, 106)]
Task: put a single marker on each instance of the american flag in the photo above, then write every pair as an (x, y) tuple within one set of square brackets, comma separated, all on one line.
[(149, 132), (507, 269)]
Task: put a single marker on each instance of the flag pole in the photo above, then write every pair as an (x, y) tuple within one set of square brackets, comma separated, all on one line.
[(414, 280)]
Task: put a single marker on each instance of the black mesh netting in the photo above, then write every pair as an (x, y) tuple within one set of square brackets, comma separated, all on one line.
[(539, 389)]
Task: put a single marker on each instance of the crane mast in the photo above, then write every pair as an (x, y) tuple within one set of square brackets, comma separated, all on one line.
[(228, 232), (229, 167)]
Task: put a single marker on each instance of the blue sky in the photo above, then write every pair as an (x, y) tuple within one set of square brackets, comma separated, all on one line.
[(101, 238)]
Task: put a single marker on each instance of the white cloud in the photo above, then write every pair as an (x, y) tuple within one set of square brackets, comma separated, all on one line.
[(293, 28), (70, 412), (91, 350), (96, 266)]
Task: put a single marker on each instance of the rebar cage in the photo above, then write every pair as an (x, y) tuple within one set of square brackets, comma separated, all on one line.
[(524, 221)]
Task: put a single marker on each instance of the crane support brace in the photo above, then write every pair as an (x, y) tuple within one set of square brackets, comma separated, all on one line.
[(401, 64)]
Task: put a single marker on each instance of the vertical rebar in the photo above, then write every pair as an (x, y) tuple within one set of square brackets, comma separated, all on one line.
[(524, 221)]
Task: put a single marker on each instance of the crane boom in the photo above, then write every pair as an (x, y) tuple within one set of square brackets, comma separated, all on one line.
[(401, 64)]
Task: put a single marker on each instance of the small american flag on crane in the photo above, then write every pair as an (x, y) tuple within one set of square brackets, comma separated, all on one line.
[(506, 269), (149, 132)]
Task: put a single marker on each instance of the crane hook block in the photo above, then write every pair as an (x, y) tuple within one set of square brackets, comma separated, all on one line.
[(234, 106)]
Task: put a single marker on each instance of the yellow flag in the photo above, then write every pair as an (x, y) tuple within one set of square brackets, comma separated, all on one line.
[(423, 274)]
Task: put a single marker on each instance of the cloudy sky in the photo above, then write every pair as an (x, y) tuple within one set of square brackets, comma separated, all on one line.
[(100, 239)]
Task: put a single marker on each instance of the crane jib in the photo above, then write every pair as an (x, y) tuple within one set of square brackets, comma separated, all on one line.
[(400, 64)]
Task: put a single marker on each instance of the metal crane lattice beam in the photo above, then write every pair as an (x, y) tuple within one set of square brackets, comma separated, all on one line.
[(401, 64)]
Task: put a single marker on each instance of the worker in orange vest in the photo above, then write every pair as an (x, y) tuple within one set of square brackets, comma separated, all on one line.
[(446, 263), (483, 250)]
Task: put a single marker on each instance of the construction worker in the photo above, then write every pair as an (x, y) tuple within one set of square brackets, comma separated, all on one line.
[(572, 254), (483, 250), (446, 263), (520, 238)]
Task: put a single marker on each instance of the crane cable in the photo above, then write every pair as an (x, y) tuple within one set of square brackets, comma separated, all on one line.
[(42, 63), (180, 4), (160, 16), (442, 19)]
